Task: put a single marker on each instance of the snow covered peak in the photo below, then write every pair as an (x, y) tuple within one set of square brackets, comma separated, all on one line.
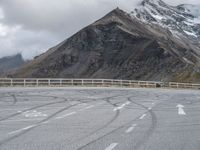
[(181, 20), (151, 2)]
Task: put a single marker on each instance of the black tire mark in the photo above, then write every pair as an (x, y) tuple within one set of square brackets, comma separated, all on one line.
[(14, 98), (151, 129), (105, 125), (39, 106), (41, 122), (5, 141), (29, 109), (148, 134)]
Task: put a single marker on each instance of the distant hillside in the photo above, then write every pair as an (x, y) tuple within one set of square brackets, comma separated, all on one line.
[(10, 63)]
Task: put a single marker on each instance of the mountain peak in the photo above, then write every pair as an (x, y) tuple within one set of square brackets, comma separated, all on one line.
[(114, 16), (122, 46), (156, 2)]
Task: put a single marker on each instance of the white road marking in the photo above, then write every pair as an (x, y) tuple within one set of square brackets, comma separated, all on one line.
[(66, 115), (142, 117), (122, 106), (45, 122), (20, 130), (91, 106), (111, 146), (34, 113), (127, 103), (149, 108), (180, 109), (88, 107), (130, 129)]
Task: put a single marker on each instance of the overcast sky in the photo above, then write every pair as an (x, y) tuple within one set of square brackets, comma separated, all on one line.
[(33, 26)]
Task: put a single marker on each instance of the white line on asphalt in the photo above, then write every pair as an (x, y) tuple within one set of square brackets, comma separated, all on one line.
[(127, 103), (122, 106), (130, 129), (180, 109), (111, 146), (88, 107), (66, 115), (45, 122), (91, 106), (142, 117), (26, 128), (149, 108)]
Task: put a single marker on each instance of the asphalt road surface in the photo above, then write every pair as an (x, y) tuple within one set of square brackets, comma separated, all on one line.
[(99, 119)]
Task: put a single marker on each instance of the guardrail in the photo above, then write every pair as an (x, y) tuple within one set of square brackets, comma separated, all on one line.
[(184, 85), (34, 82), (30, 82)]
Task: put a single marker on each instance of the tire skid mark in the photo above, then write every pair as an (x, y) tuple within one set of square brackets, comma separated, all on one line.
[(14, 98), (117, 113), (44, 120), (39, 123), (105, 125), (36, 125), (148, 134), (151, 129), (29, 109), (36, 107)]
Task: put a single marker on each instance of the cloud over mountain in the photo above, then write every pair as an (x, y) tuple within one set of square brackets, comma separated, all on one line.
[(31, 27)]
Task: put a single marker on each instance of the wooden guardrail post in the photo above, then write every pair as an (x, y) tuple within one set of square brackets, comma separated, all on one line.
[(60, 82), (24, 82), (72, 81), (11, 82), (37, 82), (49, 82)]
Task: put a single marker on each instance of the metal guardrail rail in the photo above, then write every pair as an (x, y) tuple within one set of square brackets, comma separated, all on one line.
[(35, 82), (184, 85), (32, 82)]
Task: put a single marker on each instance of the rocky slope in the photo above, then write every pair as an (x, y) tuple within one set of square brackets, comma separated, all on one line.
[(126, 46)]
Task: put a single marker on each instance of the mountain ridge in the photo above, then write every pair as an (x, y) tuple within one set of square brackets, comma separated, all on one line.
[(119, 45)]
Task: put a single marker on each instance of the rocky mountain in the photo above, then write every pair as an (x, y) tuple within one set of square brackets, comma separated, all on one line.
[(10, 63), (156, 41)]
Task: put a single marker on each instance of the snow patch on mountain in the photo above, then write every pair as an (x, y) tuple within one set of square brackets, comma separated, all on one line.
[(183, 19), (194, 10)]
